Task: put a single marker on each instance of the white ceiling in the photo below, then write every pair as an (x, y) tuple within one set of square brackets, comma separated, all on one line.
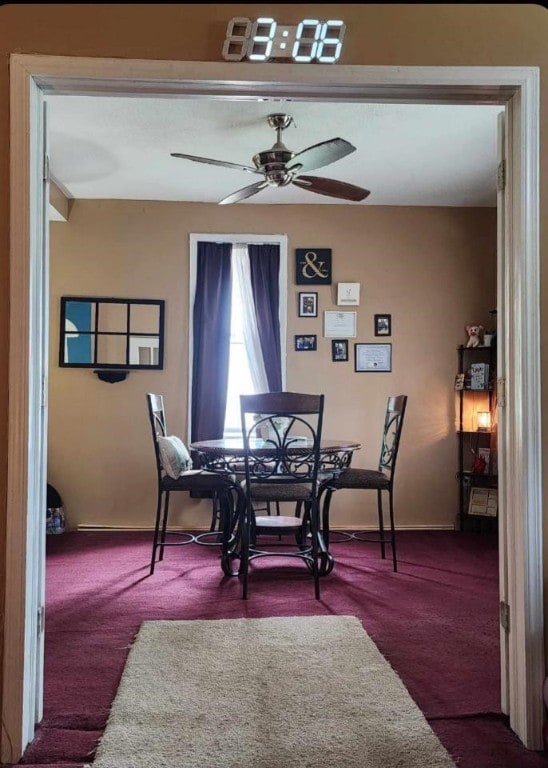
[(406, 154)]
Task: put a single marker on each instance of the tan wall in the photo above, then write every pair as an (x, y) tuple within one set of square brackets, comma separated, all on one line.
[(432, 269), (378, 34)]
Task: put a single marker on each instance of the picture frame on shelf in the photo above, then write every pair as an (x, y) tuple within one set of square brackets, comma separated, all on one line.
[(306, 342), (383, 325), (339, 350), (483, 502), (308, 304)]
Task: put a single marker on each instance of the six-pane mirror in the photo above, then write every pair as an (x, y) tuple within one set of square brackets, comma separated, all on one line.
[(111, 333)]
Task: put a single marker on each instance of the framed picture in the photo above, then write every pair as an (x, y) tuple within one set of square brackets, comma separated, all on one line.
[(308, 343), (373, 358), (313, 266), (483, 502), (348, 294), (339, 324), (308, 304), (383, 325), (339, 350)]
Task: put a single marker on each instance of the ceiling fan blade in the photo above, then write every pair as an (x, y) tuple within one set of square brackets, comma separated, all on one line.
[(243, 194), (331, 188), (319, 155), (222, 163)]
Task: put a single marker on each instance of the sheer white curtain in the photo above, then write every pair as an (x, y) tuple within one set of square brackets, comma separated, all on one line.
[(243, 293)]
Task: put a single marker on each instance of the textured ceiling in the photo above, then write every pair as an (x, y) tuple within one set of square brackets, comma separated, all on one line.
[(406, 154)]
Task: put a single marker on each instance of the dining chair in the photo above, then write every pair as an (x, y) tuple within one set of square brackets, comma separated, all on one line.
[(380, 480), (281, 435), (174, 472)]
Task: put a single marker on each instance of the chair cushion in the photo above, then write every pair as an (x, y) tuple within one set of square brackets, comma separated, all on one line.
[(279, 491), (361, 478), (198, 480), (174, 455)]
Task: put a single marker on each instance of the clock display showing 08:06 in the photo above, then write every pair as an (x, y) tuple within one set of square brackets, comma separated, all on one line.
[(265, 39)]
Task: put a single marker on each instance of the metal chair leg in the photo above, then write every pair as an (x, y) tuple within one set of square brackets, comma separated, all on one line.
[(325, 529), (164, 525), (156, 532), (247, 536), (206, 539), (314, 530), (393, 533), (214, 511), (381, 523), (231, 523), (325, 515)]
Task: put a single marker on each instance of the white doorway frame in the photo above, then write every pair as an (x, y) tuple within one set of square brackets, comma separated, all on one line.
[(519, 328)]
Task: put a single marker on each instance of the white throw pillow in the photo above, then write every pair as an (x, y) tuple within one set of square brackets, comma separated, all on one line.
[(174, 456)]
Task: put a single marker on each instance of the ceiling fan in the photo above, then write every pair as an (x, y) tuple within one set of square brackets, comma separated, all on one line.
[(279, 166)]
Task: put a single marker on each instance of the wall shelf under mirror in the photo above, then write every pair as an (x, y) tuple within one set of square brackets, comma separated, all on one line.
[(111, 333)]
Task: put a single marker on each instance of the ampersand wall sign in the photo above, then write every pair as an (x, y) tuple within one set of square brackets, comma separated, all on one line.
[(313, 266)]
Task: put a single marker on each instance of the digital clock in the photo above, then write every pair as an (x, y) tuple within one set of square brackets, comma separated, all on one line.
[(311, 40)]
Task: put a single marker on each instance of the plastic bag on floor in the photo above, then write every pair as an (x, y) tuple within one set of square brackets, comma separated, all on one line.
[(55, 513)]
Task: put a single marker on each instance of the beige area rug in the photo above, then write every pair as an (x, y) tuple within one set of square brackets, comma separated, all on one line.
[(293, 692)]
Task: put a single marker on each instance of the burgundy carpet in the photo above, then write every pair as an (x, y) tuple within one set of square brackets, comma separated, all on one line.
[(436, 621)]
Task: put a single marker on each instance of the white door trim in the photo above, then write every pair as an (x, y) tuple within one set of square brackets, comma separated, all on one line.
[(27, 427), (502, 281), (522, 481), (518, 89)]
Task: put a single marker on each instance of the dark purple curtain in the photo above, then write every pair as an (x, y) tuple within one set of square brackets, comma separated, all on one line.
[(265, 268), (211, 340)]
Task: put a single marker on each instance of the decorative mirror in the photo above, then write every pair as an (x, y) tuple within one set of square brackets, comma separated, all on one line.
[(111, 334)]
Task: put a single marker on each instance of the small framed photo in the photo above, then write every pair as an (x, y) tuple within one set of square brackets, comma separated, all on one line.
[(308, 304), (383, 325), (308, 343), (373, 358), (339, 350)]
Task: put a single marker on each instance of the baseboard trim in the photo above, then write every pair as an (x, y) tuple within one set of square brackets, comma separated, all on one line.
[(128, 528)]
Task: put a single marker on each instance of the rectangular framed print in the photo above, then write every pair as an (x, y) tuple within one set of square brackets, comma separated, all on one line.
[(313, 266), (306, 343), (339, 350), (308, 304), (348, 294), (339, 324), (373, 358), (383, 325)]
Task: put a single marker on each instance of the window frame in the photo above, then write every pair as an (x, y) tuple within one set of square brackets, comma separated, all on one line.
[(246, 239)]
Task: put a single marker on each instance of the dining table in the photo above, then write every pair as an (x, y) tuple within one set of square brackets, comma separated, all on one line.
[(227, 456)]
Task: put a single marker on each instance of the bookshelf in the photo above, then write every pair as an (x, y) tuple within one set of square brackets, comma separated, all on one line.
[(477, 474)]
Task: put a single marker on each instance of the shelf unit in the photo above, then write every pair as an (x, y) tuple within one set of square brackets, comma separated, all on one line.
[(471, 389)]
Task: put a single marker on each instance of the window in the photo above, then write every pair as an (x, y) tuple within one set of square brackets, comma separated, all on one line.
[(245, 357), (239, 373)]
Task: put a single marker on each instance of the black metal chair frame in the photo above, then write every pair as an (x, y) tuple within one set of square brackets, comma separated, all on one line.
[(380, 480), (200, 482), (282, 468)]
